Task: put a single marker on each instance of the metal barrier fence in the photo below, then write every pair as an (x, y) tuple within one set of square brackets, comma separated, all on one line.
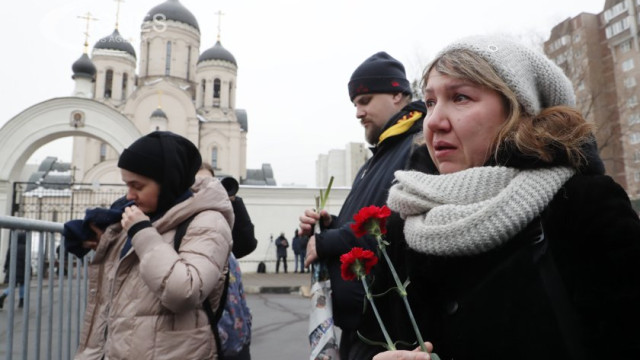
[(48, 327), (61, 202)]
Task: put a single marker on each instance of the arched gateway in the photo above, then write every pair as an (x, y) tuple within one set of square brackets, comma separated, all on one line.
[(49, 120)]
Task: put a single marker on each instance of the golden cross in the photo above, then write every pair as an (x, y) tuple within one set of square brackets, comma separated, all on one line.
[(159, 99), (118, 12), (219, 13), (89, 18)]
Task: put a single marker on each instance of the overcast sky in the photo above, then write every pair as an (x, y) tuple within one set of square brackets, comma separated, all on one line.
[(294, 57)]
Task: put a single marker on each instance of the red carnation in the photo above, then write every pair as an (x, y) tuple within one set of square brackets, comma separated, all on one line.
[(370, 220), (357, 263)]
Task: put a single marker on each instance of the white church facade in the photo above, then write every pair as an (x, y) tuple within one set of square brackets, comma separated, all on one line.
[(168, 85), (120, 95)]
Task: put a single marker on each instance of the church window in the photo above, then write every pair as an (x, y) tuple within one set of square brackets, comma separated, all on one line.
[(108, 83), (103, 151), (147, 62), (214, 158), (125, 80), (188, 61), (216, 92), (167, 65)]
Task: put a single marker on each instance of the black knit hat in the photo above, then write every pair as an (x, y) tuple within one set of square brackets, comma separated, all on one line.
[(169, 159), (380, 73)]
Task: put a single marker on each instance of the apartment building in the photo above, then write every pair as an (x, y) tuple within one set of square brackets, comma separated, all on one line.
[(601, 55)]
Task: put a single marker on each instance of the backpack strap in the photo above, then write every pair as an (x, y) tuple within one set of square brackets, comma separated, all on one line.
[(553, 285), (213, 317)]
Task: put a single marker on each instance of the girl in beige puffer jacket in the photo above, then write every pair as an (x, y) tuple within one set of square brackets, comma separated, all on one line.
[(145, 299)]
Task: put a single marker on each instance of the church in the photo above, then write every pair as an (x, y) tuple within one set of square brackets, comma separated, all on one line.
[(121, 94), (169, 85)]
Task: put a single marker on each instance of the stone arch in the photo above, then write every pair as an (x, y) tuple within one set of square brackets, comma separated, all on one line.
[(52, 119)]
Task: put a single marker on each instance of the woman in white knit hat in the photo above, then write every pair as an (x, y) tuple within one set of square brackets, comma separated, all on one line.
[(521, 247)]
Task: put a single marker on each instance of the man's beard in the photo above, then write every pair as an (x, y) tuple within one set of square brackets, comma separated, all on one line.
[(372, 134)]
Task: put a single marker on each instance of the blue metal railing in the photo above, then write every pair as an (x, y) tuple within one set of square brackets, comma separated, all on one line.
[(51, 320)]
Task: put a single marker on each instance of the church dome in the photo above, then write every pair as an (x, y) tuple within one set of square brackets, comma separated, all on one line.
[(115, 42), (158, 113), (172, 10), (83, 67), (217, 52)]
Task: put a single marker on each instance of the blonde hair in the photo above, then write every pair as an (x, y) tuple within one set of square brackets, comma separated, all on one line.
[(555, 129)]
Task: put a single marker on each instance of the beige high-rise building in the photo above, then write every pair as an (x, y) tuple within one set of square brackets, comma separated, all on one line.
[(169, 85), (601, 54), (342, 164)]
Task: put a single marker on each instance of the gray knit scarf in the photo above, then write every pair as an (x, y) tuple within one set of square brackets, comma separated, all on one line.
[(474, 210)]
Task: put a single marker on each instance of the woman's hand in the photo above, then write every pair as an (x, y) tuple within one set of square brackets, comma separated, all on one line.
[(416, 354), (132, 215)]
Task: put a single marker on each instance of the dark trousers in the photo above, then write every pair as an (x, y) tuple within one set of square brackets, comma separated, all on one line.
[(299, 260), (284, 262)]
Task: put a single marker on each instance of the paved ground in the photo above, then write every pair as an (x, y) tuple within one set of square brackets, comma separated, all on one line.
[(278, 303), (255, 283)]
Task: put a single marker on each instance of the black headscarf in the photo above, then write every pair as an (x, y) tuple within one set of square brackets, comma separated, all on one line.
[(169, 159)]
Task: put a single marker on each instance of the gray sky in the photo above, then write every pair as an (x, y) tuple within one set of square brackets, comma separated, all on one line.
[(294, 57)]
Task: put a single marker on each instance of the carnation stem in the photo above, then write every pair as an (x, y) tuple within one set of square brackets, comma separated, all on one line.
[(390, 345), (403, 295)]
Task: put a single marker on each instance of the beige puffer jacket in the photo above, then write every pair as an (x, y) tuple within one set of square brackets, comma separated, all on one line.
[(148, 305)]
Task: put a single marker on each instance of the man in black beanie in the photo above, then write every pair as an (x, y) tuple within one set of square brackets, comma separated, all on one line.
[(381, 93)]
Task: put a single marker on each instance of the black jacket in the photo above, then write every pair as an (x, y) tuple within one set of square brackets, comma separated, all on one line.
[(20, 259), (244, 240), (528, 299), (370, 187), (281, 246)]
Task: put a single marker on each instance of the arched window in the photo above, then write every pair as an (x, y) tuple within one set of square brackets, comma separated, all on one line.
[(103, 151), (146, 71), (214, 158), (108, 83), (216, 92), (188, 61), (167, 65), (125, 79)]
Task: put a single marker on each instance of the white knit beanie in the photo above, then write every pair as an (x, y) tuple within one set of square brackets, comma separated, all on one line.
[(537, 82)]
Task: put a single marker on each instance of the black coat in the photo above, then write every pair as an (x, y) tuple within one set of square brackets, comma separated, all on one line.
[(296, 244), (244, 240), (281, 246), (20, 259), (370, 187), (501, 305)]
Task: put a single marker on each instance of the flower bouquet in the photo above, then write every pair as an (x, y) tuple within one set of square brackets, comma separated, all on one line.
[(357, 264), (322, 338)]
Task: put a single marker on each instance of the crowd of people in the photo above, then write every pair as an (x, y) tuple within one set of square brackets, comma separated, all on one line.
[(513, 241)]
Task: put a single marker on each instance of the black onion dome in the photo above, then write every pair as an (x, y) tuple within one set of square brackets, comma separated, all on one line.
[(172, 10), (83, 67), (217, 52), (115, 42), (158, 113)]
